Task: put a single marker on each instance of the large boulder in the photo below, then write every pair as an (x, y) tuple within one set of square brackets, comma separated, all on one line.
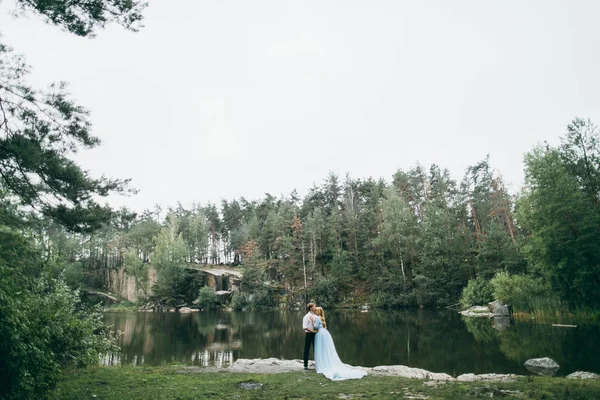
[(583, 375), (499, 309), (542, 366)]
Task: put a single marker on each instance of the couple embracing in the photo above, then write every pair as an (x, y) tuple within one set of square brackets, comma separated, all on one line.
[(327, 361)]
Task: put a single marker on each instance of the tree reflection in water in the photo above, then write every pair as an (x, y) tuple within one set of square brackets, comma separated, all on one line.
[(436, 341)]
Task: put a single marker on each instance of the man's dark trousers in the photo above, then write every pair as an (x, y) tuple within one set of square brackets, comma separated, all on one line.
[(309, 340)]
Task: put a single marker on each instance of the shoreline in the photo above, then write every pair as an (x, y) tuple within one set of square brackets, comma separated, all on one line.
[(277, 366), (280, 379)]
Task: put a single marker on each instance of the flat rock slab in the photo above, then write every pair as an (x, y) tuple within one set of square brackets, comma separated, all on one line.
[(276, 366), (583, 375), (488, 377), (477, 311), (408, 372)]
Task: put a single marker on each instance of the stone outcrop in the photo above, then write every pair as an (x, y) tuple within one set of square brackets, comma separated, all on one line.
[(125, 286), (487, 377), (542, 366), (188, 310), (223, 280), (477, 311), (408, 372), (583, 375), (274, 366), (499, 309), (494, 309)]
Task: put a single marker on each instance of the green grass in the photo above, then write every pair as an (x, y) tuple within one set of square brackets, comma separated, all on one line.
[(182, 383)]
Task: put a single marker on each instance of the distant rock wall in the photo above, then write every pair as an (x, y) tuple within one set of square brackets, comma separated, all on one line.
[(125, 286)]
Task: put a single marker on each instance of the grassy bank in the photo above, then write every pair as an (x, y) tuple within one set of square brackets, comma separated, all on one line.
[(181, 383)]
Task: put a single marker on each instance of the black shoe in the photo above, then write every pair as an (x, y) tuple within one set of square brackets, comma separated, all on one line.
[(306, 368)]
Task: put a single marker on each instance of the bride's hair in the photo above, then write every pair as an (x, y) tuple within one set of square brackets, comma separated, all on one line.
[(321, 313)]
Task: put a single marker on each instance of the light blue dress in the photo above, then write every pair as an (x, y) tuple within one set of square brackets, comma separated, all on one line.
[(327, 360)]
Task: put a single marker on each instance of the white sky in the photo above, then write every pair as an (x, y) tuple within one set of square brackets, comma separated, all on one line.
[(221, 99)]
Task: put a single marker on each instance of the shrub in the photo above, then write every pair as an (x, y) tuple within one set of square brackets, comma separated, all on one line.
[(477, 292), (263, 299), (207, 298), (239, 301), (43, 329), (523, 292)]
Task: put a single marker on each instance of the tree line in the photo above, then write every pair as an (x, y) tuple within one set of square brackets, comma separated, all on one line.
[(422, 239)]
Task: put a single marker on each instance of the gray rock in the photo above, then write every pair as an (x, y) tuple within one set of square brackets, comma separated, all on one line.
[(251, 385), (408, 372), (542, 366), (583, 375), (487, 377), (499, 309), (477, 311), (187, 310)]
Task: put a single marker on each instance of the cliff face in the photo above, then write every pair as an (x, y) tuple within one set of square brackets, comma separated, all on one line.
[(125, 286)]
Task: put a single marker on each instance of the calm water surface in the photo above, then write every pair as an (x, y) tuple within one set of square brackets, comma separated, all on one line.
[(436, 341)]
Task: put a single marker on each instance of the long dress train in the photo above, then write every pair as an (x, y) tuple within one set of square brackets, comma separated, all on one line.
[(327, 360)]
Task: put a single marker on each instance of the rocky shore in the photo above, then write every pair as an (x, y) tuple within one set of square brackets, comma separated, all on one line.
[(275, 366)]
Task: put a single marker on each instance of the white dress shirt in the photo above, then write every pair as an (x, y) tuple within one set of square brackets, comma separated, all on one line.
[(307, 323)]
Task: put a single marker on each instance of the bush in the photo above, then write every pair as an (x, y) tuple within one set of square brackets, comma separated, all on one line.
[(263, 299), (207, 298), (524, 293), (387, 299), (43, 329), (239, 301), (477, 292)]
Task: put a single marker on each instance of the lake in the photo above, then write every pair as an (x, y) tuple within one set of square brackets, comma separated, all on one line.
[(440, 341)]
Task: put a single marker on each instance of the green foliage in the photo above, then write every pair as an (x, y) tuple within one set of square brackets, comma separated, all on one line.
[(83, 18), (560, 213), (43, 326), (262, 299), (135, 267), (38, 132), (239, 301), (73, 275), (477, 292), (327, 293), (169, 258), (524, 293), (43, 329), (207, 298)]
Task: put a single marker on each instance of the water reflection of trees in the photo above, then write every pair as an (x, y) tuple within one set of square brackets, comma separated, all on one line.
[(156, 338), (437, 341), (572, 349)]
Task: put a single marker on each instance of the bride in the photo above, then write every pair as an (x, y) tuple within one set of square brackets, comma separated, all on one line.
[(327, 360)]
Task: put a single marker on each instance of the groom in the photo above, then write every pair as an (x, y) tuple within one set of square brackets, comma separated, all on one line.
[(308, 324)]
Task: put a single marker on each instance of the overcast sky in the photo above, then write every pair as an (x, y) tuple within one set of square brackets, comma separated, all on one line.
[(222, 99)]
